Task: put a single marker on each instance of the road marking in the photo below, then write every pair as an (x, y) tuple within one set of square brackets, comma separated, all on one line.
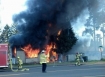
[(96, 76), (13, 74)]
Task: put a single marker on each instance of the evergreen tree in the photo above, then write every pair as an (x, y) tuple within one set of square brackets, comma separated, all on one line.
[(7, 33), (12, 30), (4, 34), (65, 41)]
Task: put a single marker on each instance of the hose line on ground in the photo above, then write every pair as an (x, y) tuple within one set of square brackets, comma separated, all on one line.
[(11, 66)]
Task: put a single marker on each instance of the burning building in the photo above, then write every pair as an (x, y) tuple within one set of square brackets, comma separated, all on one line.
[(28, 54), (42, 19)]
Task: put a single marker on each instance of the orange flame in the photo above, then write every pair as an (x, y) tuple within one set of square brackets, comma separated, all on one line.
[(59, 32), (55, 55), (30, 53), (14, 52), (48, 49)]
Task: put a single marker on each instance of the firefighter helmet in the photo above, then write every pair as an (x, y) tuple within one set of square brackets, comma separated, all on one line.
[(43, 51)]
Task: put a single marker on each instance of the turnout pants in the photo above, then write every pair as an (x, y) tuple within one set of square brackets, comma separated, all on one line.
[(19, 66), (44, 65), (77, 61)]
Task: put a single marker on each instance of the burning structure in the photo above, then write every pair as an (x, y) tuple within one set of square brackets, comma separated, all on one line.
[(27, 54), (42, 19)]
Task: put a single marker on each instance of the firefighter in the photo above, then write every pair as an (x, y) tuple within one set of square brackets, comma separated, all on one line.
[(78, 59), (81, 57), (43, 61), (19, 63)]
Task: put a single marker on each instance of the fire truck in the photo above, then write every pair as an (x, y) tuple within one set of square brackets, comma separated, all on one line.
[(4, 59)]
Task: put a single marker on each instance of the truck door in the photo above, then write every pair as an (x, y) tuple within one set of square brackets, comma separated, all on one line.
[(3, 58), (3, 55)]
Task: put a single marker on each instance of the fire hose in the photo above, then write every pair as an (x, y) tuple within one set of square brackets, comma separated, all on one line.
[(15, 70)]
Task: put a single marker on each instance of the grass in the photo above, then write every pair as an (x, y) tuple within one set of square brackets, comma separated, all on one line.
[(62, 63)]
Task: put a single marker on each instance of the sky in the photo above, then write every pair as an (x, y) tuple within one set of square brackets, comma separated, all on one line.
[(8, 8)]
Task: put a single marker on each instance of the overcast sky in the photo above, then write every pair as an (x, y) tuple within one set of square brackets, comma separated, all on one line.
[(8, 8)]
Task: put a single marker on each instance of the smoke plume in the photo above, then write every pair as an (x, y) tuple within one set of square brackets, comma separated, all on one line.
[(44, 18), (87, 29)]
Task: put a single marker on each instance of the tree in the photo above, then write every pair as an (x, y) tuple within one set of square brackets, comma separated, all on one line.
[(12, 30), (7, 33), (4, 35), (65, 41)]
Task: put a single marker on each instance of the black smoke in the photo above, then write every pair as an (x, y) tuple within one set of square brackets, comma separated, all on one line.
[(44, 18)]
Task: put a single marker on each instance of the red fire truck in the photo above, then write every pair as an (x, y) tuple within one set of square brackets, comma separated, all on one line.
[(4, 56)]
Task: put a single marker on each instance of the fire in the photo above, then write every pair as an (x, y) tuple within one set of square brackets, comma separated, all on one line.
[(48, 49), (29, 52), (59, 32), (32, 53), (14, 51), (54, 54), (51, 54)]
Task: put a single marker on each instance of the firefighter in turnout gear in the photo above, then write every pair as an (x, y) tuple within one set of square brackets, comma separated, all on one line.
[(19, 63), (78, 59), (43, 61)]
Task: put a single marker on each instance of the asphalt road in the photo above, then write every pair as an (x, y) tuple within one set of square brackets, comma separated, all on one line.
[(60, 71)]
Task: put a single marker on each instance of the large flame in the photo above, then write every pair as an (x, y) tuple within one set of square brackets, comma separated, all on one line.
[(48, 50), (29, 52), (54, 54), (32, 53)]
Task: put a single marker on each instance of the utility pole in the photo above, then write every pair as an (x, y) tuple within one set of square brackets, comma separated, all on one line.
[(103, 31), (103, 36), (94, 27)]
